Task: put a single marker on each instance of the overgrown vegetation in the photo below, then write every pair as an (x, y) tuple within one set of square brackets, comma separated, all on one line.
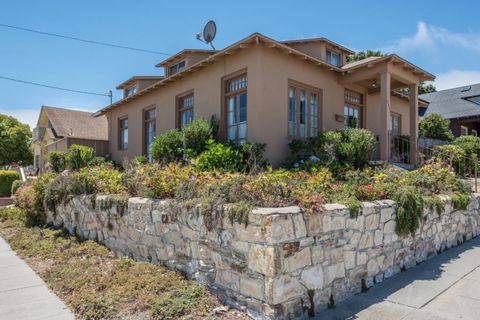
[(7, 177), (434, 126), (95, 284)]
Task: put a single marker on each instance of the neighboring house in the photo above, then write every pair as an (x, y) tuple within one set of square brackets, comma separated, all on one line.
[(58, 129), (459, 105), (269, 91)]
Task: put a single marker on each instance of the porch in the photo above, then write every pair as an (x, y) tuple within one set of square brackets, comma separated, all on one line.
[(387, 77)]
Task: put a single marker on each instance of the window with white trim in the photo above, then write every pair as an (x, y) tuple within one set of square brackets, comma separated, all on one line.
[(463, 131), (236, 104), (303, 112)]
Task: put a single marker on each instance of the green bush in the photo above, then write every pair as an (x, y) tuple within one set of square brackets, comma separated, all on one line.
[(225, 158), (7, 177), (349, 146), (196, 136), (98, 180), (434, 126), (168, 147), (452, 154), (97, 161), (469, 144), (57, 160), (410, 206), (17, 214), (16, 185), (79, 156)]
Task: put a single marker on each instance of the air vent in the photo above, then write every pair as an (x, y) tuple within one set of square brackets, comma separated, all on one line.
[(465, 89)]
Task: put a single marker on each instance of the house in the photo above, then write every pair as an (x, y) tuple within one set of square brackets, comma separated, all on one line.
[(58, 129), (269, 91), (459, 105)]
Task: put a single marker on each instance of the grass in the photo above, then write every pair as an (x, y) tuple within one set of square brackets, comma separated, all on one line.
[(95, 284)]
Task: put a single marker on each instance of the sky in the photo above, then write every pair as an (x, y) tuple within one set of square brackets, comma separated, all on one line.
[(442, 37)]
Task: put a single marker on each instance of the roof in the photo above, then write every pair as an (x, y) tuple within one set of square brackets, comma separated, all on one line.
[(246, 43), (453, 103), (133, 79), (240, 45), (425, 75), (360, 62), (77, 124), (333, 44), (181, 54)]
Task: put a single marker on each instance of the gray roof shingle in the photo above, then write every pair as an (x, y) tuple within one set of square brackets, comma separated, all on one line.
[(452, 103), (77, 124)]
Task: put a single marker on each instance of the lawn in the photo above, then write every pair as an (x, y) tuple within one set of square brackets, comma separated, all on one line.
[(97, 285)]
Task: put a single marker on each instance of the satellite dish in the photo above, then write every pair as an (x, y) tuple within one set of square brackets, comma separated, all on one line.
[(209, 32)]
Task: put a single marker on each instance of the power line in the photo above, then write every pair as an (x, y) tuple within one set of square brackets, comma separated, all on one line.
[(84, 40), (57, 88)]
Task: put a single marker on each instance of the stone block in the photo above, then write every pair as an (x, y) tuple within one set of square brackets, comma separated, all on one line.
[(318, 254), (349, 258), (298, 260), (228, 279), (332, 272), (312, 277), (372, 222), (386, 214), (361, 258), (278, 229), (282, 289), (248, 233), (264, 259), (253, 287), (378, 239), (356, 223), (299, 226)]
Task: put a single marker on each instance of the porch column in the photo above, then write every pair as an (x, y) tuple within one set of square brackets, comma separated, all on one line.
[(384, 115), (413, 123)]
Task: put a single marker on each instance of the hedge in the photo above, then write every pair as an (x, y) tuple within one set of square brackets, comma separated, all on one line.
[(6, 180)]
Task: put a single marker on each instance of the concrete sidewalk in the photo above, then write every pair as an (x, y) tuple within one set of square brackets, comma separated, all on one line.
[(445, 287), (23, 295)]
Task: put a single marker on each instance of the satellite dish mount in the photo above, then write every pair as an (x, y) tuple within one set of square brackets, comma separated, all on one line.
[(209, 32)]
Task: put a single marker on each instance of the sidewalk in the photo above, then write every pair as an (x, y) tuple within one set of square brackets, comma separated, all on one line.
[(23, 295), (445, 287)]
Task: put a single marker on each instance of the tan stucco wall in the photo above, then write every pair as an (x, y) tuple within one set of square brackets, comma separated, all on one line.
[(269, 72)]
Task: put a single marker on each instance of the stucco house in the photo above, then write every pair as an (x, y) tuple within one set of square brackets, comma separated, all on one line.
[(58, 129), (459, 105), (271, 92)]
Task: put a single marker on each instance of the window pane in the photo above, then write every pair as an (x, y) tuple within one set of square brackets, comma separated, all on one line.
[(232, 133), (242, 131), (243, 107), (292, 114), (232, 103)]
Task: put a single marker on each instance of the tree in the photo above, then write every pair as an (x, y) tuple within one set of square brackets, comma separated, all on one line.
[(434, 126), (14, 142), (426, 88), (363, 54)]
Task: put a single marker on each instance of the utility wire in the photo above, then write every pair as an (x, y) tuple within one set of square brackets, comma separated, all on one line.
[(54, 87), (84, 40)]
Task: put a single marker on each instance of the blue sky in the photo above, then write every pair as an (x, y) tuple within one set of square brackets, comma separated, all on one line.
[(442, 37)]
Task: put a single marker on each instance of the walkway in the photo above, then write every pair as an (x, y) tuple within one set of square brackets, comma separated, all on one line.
[(443, 288), (23, 295)]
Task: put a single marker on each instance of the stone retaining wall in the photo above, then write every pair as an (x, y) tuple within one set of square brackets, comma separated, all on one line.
[(286, 263)]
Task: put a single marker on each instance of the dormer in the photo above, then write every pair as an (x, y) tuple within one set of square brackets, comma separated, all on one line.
[(137, 83), (183, 60), (323, 49)]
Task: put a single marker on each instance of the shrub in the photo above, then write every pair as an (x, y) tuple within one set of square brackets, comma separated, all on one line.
[(97, 161), (460, 201), (57, 160), (59, 191), (253, 156), (140, 160), (196, 136), (452, 154), (79, 156), (434, 126), (225, 158), (168, 147), (98, 180), (350, 146), (16, 185), (469, 144), (409, 210), (13, 213), (7, 177)]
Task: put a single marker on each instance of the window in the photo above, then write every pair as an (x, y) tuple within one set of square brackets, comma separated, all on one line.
[(463, 131), (123, 134), (130, 91), (303, 111), (475, 99), (236, 103), (185, 113), (333, 58), (149, 129), (176, 68), (352, 111), (395, 124), (474, 132)]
